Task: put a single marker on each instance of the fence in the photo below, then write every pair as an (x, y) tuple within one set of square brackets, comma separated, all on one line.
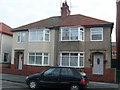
[(114, 64), (118, 76)]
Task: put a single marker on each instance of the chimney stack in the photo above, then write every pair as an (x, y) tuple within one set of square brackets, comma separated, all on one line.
[(118, 32), (65, 10)]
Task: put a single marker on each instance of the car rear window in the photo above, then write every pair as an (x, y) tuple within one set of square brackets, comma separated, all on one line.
[(81, 72)]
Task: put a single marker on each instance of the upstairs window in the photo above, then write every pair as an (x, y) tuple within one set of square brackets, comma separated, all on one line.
[(21, 37), (71, 33), (96, 34), (39, 35)]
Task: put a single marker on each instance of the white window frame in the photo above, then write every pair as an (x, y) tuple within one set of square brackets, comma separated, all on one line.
[(96, 31), (42, 59), (60, 59), (79, 30), (44, 33), (20, 36)]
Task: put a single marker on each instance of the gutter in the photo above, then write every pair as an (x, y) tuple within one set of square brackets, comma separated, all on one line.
[(18, 30), (99, 25), (1, 43)]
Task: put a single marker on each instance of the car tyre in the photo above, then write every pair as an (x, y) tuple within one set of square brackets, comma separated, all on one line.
[(74, 87), (32, 84)]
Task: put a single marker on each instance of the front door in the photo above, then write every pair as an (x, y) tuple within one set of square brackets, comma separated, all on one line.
[(19, 59), (98, 64)]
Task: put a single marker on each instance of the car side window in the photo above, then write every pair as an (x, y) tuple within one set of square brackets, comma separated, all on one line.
[(66, 72), (52, 72)]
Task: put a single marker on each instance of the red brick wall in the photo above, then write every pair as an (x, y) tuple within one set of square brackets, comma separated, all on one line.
[(27, 70), (109, 74)]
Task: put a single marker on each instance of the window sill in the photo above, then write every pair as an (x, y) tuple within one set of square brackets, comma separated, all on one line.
[(6, 62), (21, 42), (72, 41), (37, 41), (96, 40), (36, 65), (72, 66)]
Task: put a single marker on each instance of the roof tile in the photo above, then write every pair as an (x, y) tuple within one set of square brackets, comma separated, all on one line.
[(70, 20), (5, 29)]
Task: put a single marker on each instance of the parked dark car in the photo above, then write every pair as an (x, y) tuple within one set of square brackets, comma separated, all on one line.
[(58, 77)]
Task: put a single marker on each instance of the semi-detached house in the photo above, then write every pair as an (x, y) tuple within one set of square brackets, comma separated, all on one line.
[(67, 40), (5, 45)]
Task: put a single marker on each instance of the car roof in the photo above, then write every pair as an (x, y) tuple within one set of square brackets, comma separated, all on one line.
[(63, 67)]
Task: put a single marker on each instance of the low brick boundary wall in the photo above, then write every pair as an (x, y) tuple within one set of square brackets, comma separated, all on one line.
[(27, 70), (109, 74)]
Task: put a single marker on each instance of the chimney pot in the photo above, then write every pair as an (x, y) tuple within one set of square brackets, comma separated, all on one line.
[(65, 10)]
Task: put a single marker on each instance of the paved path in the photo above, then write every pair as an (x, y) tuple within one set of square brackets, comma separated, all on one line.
[(21, 79), (13, 77)]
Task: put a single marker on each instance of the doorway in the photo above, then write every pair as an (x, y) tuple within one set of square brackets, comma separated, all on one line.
[(98, 65), (19, 59)]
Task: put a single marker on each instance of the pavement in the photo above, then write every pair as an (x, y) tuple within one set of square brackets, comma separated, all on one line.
[(21, 79)]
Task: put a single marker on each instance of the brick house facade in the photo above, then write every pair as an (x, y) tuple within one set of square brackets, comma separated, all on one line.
[(68, 40)]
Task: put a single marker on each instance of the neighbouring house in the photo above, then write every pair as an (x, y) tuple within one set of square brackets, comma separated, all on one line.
[(5, 45), (114, 61), (67, 40), (114, 50)]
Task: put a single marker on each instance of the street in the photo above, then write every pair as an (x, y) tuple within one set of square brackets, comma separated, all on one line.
[(12, 85), (9, 85)]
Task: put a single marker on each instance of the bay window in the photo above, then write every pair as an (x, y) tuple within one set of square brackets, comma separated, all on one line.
[(72, 33), (71, 59)]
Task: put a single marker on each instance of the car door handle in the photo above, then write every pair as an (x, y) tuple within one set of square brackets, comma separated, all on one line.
[(58, 79)]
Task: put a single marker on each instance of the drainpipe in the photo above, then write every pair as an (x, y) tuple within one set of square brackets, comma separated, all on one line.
[(1, 42)]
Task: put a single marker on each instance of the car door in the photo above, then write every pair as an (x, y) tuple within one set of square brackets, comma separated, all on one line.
[(66, 77), (50, 78)]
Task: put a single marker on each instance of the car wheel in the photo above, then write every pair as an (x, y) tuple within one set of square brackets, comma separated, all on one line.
[(32, 84), (74, 87)]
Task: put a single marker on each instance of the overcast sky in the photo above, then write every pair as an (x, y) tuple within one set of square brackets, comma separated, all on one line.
[(20, 12)]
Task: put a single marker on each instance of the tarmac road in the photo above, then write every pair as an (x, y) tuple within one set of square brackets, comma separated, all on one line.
[(8, 85), (17, 82)]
